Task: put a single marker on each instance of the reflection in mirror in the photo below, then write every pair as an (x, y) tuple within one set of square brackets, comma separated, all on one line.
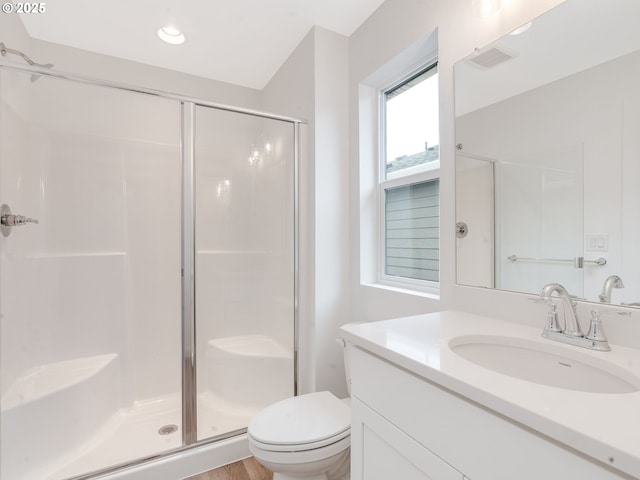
[(474, 207), (548, 163)]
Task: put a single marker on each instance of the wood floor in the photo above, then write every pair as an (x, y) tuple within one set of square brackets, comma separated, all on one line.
[(247, 469)]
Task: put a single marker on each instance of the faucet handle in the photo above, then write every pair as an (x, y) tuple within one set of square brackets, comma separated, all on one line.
[(552, 314), (596, 332), (595, 327), (596, 335), (552, 319)]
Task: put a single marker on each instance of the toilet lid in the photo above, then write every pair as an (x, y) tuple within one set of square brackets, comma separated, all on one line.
[(300, 420)]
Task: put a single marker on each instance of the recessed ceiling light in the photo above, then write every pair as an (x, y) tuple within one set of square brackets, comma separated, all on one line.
[(171, 35)]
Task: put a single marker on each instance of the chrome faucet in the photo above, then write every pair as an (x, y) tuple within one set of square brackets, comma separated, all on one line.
[(570, 332), (612, 281), (571, 326)]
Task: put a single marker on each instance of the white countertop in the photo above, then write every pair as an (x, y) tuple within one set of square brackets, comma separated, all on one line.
[(603, 426)]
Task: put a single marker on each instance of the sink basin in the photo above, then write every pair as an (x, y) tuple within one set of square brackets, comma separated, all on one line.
[(545, 364)]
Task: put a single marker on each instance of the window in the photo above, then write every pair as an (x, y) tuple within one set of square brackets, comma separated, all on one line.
[(410, 185)]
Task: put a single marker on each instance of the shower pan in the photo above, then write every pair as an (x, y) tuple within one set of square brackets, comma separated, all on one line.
[(152, 307)]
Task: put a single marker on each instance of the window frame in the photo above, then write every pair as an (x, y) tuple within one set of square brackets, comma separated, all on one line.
[(410, 179)]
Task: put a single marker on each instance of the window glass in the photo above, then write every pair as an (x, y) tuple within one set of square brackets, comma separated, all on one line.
[(412, 126), (410, 181), (412, 231)]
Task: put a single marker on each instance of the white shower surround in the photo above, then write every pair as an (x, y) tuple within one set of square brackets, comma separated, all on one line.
[(103, 276)]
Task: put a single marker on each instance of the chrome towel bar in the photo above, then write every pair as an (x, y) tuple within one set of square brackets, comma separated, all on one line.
[(577, 262)]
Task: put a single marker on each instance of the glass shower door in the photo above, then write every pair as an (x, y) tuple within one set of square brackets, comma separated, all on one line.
[(90, 295), (244, 266)]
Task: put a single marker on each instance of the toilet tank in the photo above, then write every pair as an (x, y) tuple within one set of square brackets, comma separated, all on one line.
[(345, 353)]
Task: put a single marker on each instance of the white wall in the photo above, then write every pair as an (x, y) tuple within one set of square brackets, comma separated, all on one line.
[(104, 67), (312, 84), (332, 213)]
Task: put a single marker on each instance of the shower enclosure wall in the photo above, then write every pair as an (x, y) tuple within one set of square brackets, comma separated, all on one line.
[(152, 307)]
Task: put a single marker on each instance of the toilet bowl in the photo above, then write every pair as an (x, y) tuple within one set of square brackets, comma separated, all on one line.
[(308, 437), (305, 437)]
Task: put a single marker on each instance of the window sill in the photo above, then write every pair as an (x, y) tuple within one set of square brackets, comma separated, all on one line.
[(424, 292)]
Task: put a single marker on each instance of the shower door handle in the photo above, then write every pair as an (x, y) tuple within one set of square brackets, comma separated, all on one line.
[(8, 220)]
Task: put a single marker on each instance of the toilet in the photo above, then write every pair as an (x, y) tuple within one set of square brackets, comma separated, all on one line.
[(305, 437)]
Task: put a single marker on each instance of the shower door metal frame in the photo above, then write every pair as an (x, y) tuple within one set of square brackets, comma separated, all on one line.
[(189, 380), (187, 158)]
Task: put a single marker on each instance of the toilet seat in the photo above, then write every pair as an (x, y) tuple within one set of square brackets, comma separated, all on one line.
[(300, 447), (302, 423), (296, 457)]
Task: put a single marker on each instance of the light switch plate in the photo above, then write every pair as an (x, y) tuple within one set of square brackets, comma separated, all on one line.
[(597, 243)]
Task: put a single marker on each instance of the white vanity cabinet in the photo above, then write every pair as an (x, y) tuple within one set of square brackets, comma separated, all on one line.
[(381, 451), (407, 427)]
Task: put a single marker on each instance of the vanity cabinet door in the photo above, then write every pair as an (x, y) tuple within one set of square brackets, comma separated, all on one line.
[(380, 451)]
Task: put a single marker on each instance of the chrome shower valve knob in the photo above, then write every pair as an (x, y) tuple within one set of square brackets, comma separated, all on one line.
[(16, 220), (8, 220)]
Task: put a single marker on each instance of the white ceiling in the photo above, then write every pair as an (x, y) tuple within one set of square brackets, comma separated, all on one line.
[(243, 42)]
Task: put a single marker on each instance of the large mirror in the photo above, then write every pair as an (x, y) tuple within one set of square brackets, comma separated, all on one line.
[(548, 155)]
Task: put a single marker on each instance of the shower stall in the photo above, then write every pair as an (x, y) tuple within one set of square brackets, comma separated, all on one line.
[(152, 307)]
